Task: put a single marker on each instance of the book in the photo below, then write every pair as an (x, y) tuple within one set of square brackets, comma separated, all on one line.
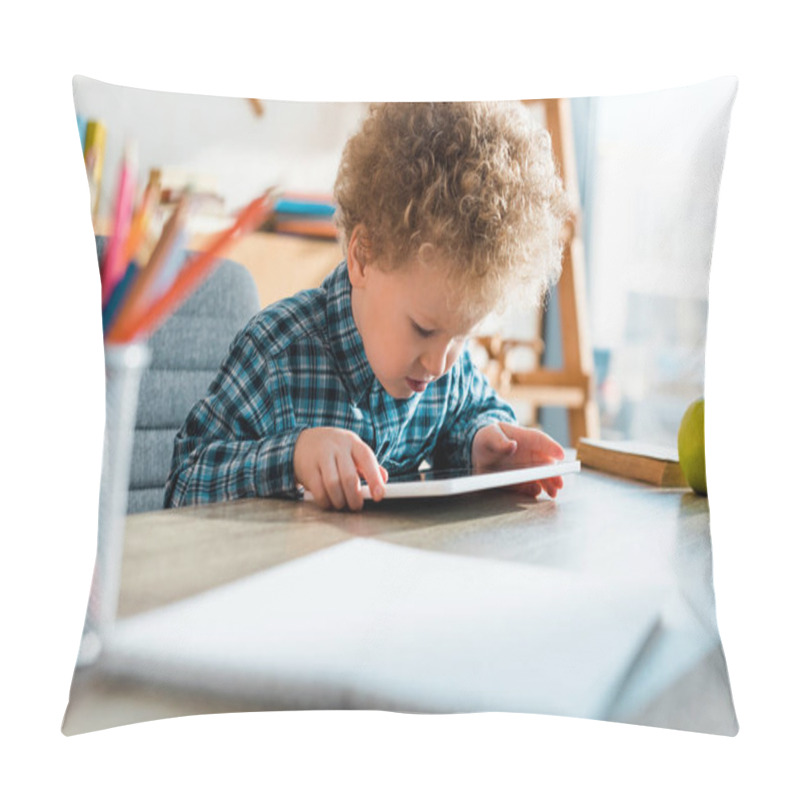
[(641, 461), (304, 215), (304, 226), (305, 205)]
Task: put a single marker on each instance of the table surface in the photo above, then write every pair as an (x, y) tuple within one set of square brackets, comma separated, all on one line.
[(599, 525)]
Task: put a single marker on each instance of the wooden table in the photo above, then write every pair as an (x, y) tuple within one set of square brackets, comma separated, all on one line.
[(599, 525)]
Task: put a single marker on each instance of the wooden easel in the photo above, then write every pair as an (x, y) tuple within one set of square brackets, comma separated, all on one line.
[(571, 386)]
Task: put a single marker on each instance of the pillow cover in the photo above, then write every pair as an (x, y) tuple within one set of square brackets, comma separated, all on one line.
[(598, 603)]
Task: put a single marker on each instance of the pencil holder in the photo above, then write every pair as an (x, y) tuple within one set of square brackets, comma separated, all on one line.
[(124, 367)]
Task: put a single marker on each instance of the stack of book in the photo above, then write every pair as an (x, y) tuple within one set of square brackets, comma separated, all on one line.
[(639, 461), (304, 215)]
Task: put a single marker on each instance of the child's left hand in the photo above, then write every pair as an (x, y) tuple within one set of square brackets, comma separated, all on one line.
[(506, 446)]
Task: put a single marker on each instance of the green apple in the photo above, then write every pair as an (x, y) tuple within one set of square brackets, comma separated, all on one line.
[(692, 446)]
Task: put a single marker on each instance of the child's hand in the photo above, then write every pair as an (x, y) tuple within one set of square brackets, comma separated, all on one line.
[(505, 446), (328, 462)]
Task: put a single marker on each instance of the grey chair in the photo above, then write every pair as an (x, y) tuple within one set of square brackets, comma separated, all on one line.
[(186, 352)]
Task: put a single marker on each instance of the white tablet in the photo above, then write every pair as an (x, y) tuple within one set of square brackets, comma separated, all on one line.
[(439, 483)]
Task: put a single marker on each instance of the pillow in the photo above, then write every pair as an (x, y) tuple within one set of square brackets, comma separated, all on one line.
[(596, 604)]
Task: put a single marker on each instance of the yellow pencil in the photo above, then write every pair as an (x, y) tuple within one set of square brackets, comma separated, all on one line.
[(94, 150)]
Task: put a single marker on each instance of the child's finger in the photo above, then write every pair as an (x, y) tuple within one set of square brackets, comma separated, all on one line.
[(367, 465), (539, 445), (533, 488), (550, 448), (499, 441), (317, 489), (333, 486), (552, 485), (351, 483)]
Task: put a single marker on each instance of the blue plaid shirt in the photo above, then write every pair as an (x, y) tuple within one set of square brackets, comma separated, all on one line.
[(300, 363)]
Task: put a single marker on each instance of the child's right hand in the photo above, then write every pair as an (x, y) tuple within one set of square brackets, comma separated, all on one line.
[(329, 461)]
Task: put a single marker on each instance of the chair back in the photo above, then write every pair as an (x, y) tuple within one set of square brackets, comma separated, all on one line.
[(186, 353)]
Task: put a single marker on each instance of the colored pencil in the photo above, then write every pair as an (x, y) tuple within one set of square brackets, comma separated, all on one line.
[(141, 219), (170, 268), (82, 131), (118, 296), (94, 149), (194, 271), (133, 303), (114, 264)]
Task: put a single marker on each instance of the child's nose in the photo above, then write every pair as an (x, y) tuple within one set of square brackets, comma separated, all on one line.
[(434, 360)]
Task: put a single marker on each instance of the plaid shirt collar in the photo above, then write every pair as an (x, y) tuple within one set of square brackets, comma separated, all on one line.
[(346, 344)]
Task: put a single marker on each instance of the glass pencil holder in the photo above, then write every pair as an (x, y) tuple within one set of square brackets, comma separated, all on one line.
[(124, 366)]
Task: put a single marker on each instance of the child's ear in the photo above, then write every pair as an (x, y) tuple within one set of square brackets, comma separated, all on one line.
[(358, 255)]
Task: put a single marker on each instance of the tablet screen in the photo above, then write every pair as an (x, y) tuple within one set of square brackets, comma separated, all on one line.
[(430, 474), (437, 482)]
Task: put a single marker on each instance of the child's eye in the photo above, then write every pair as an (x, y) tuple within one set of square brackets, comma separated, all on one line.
[(423, 332)]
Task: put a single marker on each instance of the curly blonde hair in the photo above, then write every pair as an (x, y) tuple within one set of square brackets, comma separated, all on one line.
[(474, 183)]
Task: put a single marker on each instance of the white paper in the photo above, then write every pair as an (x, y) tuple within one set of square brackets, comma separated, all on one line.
[(682, 641), (369, 624)]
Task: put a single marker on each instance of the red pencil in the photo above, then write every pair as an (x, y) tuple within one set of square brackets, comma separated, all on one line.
[(194, 271)]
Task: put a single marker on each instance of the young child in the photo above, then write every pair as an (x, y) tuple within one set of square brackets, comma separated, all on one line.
[(446, 210)]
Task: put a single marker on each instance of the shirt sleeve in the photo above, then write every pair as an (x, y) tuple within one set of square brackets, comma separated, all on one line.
[(472, 405), (239, 440)]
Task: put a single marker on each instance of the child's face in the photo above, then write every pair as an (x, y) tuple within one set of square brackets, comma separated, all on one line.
[(409, 320)]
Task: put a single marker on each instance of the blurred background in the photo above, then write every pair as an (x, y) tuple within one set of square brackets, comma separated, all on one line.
[(645, 173)]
